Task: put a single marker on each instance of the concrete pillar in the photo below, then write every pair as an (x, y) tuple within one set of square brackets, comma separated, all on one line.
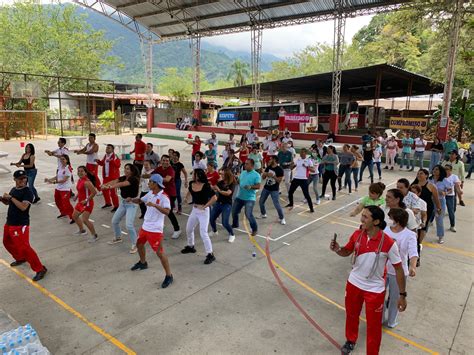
[(256, 119), (150, 118)]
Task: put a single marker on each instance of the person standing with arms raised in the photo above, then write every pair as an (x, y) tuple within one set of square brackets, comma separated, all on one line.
[(302, 167), (60, 151), (139, 150), (16, 231), (110, 171), (90, 150), (370, 248)]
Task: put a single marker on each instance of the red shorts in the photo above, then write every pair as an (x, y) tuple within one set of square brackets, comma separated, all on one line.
[(153, 238), (84, 208)]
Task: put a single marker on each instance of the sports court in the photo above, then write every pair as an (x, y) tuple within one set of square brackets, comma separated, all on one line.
[(91, 303)]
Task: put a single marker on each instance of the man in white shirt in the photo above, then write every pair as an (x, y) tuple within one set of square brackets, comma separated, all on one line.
[(420, 146), (61, 150), (157, 206), (251, 136), (302, 168), (213, 140)]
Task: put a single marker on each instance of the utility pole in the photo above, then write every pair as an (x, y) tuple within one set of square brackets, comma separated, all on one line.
[(465, 96)]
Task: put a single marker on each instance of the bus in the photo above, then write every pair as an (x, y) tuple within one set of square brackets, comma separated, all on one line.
[(241, 116)]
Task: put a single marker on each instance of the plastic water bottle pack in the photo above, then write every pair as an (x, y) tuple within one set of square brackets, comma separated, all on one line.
[(21, 341)]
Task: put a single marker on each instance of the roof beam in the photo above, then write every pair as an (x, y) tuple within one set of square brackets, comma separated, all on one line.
[(174, 8), (232, 12), (131, 3)]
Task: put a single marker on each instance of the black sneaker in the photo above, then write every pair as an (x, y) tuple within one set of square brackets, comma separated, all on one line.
[(288, 205), (71, 221), (348, 347), (39, 275), (209, 259), (187, 249), (167, 281), (61, 216), (36, 200), (106, 206), (114, 209), (139, 266), (17, 263)]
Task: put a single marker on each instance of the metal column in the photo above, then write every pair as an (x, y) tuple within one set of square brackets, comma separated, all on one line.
[(448, 84), (338, 48), (146, 45), (196, 59), (256, 53)]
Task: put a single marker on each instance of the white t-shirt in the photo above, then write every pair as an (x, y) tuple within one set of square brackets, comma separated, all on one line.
[(199, 165), (90, 158), (423, 207), (60, 151), (62, 173), (154, 220), (407, 247), (453, 179), (232, 144), (412, 201), (286, 139), (412, 223), (302, 168), (420, 145), (377, 155), (273, 148), (251, 137)]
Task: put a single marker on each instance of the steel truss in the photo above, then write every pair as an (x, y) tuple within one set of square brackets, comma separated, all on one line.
[(338, 48), (195, 42), (146, 46), (256, 57)]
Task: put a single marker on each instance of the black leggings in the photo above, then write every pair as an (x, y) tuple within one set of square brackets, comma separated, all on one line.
[(303, 183), (142, 205), (171, 215), (329, 176)]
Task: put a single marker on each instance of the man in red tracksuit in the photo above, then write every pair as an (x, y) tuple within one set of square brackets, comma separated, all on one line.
[(110, 171), (16, 232), (371, 249)]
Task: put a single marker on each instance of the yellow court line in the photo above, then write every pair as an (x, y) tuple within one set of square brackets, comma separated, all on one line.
[(349, 220), (330, 301), (343, 224), (71, 310)]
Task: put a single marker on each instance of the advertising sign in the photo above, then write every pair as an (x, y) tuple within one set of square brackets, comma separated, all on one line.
[(419, 124), (227, 116), (297, 118), (353, 120)]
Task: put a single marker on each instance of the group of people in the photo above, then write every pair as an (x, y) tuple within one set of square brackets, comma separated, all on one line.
[(220, 185)]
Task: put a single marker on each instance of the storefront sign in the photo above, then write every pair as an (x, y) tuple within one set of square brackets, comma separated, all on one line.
[(297, 118), (420, 124)]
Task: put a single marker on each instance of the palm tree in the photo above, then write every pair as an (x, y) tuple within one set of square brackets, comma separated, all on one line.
[(239, 72)]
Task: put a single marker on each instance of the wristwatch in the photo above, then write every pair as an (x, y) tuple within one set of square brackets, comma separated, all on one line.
[(404, 294)]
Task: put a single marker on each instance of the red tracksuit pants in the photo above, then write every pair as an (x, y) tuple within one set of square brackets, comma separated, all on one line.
[(94, 169), (355, 298), (110, 196), (62, 200), (16, 240)]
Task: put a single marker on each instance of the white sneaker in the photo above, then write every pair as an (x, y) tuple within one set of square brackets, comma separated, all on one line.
[(231, 238), (213, 234), (176, 234), (134, 249), (441, 240), (262, 216), (84, 232), (318, 202), (93, 239), (453, 229), (115, 241), (282, 221)]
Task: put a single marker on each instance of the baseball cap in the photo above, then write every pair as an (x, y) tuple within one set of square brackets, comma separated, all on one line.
[(19, 174), (157, 179)]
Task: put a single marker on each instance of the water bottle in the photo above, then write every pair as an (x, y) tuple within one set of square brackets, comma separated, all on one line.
[(3, 348)]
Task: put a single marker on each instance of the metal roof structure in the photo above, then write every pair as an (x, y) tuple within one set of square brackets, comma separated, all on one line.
[(179, 19), (357, 84)]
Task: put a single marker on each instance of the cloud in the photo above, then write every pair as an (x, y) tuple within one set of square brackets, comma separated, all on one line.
[(283, 42)]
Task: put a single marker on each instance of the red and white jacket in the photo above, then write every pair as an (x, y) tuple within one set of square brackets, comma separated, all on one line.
[(111, 167)]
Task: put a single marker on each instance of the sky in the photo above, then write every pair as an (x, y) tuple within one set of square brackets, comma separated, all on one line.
[(281, 42), (284, 41)]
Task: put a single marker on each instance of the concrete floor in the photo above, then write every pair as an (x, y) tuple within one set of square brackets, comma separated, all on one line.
[(234, 305)]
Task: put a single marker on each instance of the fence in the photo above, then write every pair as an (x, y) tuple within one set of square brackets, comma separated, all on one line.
[(23, 124)]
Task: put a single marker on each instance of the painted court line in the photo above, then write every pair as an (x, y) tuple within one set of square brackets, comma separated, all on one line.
[(71, 310), (105, 226), (330, 301)]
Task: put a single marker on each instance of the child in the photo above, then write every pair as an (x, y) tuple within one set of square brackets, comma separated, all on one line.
[(145, 177), (378, 159), (375, 198)]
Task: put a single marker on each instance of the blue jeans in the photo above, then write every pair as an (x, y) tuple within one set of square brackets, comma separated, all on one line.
[(451, 206), (216, 210), (418, 157), (435, 158), (344, 170), (237, 207), (178, 183), (370, 165), (31, 175), (314, 179), (405, 160), (355, 176), (379, 168), (275, 195), (439, 219), (129, 210)]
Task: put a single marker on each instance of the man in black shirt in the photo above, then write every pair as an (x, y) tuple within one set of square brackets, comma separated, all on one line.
[(273, 175), (368, 162), (16, 232)]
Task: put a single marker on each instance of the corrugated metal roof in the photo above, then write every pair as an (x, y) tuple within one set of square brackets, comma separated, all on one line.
[(174, 19)]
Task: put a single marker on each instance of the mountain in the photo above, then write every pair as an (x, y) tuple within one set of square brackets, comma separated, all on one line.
[(215, 60)]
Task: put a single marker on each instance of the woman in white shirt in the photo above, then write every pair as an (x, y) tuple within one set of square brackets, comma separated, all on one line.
[(407, 245), (62, 193), (394, 199)]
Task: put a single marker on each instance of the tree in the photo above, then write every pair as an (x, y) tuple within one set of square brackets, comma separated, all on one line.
[(239, 73), (52, 40), (177, 83)]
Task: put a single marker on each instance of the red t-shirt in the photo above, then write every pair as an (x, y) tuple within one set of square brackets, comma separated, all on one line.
[(243, 155), (140, 148), (170, 187), (213, 178), (196, 147)]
